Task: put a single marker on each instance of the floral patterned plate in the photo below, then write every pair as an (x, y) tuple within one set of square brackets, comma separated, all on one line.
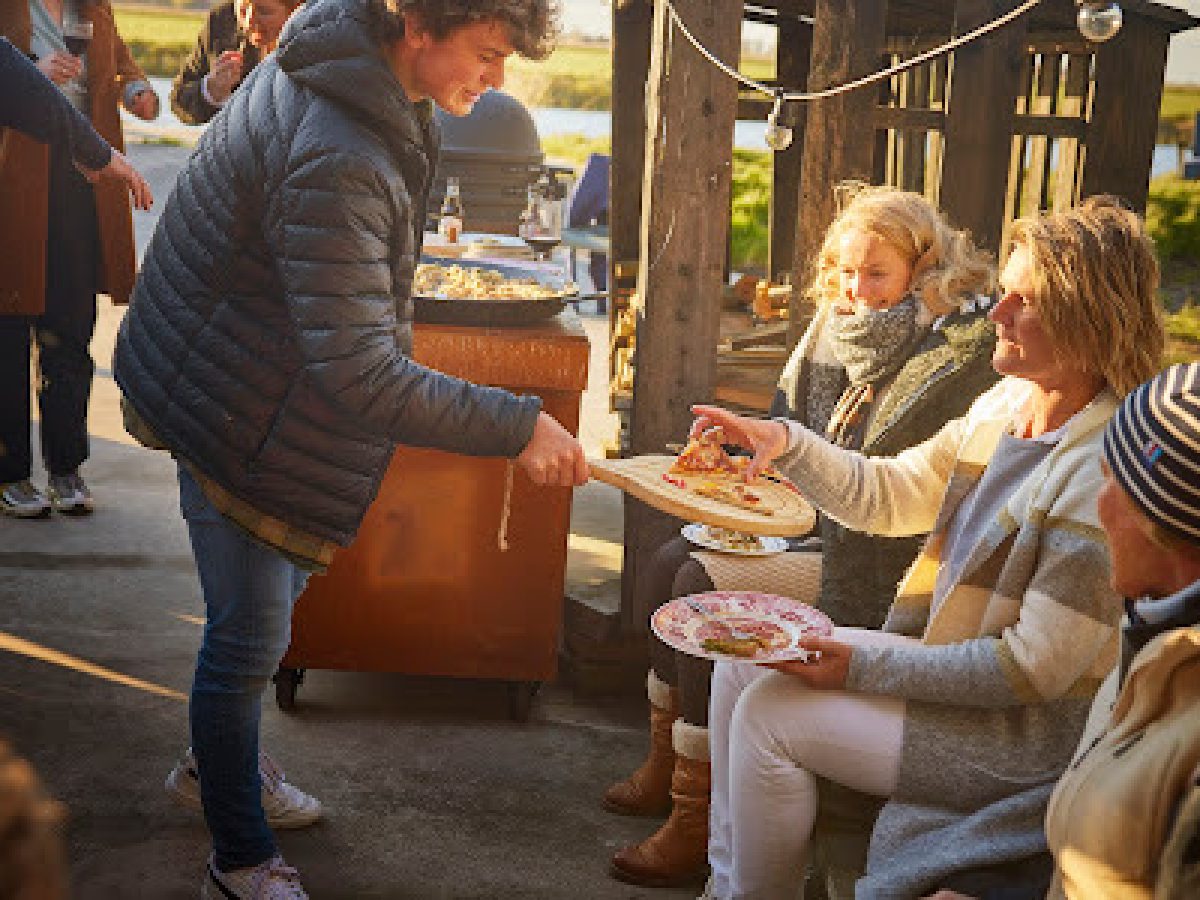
[(743, 625)]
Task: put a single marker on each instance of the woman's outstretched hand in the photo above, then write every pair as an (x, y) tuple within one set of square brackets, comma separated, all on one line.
[(825, 670), (766, 438), (120, 169)]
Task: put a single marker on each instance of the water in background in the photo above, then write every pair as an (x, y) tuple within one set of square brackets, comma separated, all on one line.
[(589, 123)]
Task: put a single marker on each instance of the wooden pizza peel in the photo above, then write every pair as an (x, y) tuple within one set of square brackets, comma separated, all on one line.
[(642, 476)]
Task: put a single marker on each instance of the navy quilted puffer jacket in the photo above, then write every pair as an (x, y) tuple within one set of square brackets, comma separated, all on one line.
[(268, 338)]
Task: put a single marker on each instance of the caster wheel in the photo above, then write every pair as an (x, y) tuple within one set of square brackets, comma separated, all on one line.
[(286, 683), (520, 699)]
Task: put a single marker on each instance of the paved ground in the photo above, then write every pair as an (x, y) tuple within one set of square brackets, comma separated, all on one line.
[(431, 791)]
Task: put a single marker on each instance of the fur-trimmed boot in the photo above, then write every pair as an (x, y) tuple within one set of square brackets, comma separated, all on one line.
[(676, 854), (647, 792)]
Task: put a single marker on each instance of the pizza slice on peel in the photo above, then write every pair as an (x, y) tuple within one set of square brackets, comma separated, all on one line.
[(704, 455)]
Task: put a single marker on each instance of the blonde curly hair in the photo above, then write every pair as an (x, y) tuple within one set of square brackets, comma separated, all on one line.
[(946, 264), (1096, 278)]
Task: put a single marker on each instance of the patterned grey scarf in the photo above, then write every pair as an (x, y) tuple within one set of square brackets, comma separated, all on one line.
[(874, 344)]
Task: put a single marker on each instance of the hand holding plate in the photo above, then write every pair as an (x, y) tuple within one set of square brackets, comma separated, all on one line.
[(827, 666)]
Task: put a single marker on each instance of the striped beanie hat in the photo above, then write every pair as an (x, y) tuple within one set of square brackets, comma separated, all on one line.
[(1152, 447)]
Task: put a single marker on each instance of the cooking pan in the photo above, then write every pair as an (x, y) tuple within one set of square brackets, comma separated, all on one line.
[(441, 310)]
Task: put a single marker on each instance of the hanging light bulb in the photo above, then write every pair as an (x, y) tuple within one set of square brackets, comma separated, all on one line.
[(1098, 20), (777, 136)]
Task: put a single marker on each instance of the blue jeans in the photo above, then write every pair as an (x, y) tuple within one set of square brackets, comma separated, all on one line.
[(249, 591)]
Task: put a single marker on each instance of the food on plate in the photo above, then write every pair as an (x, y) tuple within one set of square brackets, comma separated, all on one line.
[(471, 283), (733, 540), (744, 637), (747, 648)]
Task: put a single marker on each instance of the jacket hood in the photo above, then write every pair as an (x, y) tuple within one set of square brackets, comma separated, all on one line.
[(329, 47)]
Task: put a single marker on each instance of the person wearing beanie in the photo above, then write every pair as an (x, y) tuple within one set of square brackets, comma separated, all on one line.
[(1125, 818)]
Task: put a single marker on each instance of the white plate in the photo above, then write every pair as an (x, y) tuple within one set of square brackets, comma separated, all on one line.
[(699, 534)]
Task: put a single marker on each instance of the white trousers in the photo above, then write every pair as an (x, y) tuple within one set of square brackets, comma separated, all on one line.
[(770, 736)]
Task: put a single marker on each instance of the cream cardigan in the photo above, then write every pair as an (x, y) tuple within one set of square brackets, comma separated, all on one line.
[(998, 693)]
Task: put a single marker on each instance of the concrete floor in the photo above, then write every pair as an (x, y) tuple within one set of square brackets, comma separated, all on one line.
[(430, 790)]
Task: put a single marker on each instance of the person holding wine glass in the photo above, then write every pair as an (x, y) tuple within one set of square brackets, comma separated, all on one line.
[(235, 36), (32, 105), (65, 240)]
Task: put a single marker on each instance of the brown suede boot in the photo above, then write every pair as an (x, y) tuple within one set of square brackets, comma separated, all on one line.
[(676, 854), (647, 792)]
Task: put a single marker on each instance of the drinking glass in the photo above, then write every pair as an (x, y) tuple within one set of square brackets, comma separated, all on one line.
[(77, 35)]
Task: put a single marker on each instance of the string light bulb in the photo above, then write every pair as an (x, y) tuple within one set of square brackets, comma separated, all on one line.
[(1099, 20), (777, 135)]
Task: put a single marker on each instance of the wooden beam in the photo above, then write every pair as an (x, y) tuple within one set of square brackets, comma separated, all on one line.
[(911, 143), (846, 44), (685, 195), (631, 61), (792, 61), (691, 108), (1127, 92), (984, 84), (1070, 147)]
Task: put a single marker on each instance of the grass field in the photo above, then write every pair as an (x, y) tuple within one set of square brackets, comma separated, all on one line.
[(158, 26)]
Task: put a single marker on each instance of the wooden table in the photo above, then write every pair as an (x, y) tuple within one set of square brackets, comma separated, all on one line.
[(425, 589)]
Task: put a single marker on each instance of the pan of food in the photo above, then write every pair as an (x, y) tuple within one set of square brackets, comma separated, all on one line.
[(471, 292)]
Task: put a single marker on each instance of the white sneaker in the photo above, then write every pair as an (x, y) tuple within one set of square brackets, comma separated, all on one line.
[(272, 880), (22, 500), (285, 805), (70, 495)]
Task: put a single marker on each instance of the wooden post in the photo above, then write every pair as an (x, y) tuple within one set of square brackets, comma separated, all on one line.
[(691, 109), (1070, 150), (1043, 101), (982, 101), (911, 141), (791, 63), (631, 61), (1127, 92), (839, 139)]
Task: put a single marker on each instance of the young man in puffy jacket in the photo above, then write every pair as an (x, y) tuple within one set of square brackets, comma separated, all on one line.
[(267, 347)]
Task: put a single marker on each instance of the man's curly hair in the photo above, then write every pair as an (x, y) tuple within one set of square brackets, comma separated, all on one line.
[(532, 24)]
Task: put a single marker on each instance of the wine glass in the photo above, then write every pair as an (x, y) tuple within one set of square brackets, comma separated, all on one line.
[(77, 35), (541, 224)]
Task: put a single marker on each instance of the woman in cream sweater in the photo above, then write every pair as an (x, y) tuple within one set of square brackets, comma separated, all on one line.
[(965, 708)]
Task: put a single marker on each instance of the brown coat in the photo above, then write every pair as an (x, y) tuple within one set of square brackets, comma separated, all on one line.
[(24, 174)]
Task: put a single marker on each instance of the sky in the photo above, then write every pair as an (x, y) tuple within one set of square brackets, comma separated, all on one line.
[(1183, 61)]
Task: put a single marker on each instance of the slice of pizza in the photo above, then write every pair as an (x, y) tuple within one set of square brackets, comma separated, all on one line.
[(704, 455), (735, 495)]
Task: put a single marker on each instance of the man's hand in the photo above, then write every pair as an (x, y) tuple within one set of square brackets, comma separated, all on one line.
[(119, 168), (144, 105), (60, 67), (765, 437), (553, 458), (827, 672), (225, 75)]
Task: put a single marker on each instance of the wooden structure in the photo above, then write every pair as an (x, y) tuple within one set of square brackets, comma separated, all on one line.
[(1029, 117), (425, 588)]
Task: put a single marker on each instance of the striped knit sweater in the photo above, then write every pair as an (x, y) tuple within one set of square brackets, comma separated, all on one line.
[(999, 691)]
